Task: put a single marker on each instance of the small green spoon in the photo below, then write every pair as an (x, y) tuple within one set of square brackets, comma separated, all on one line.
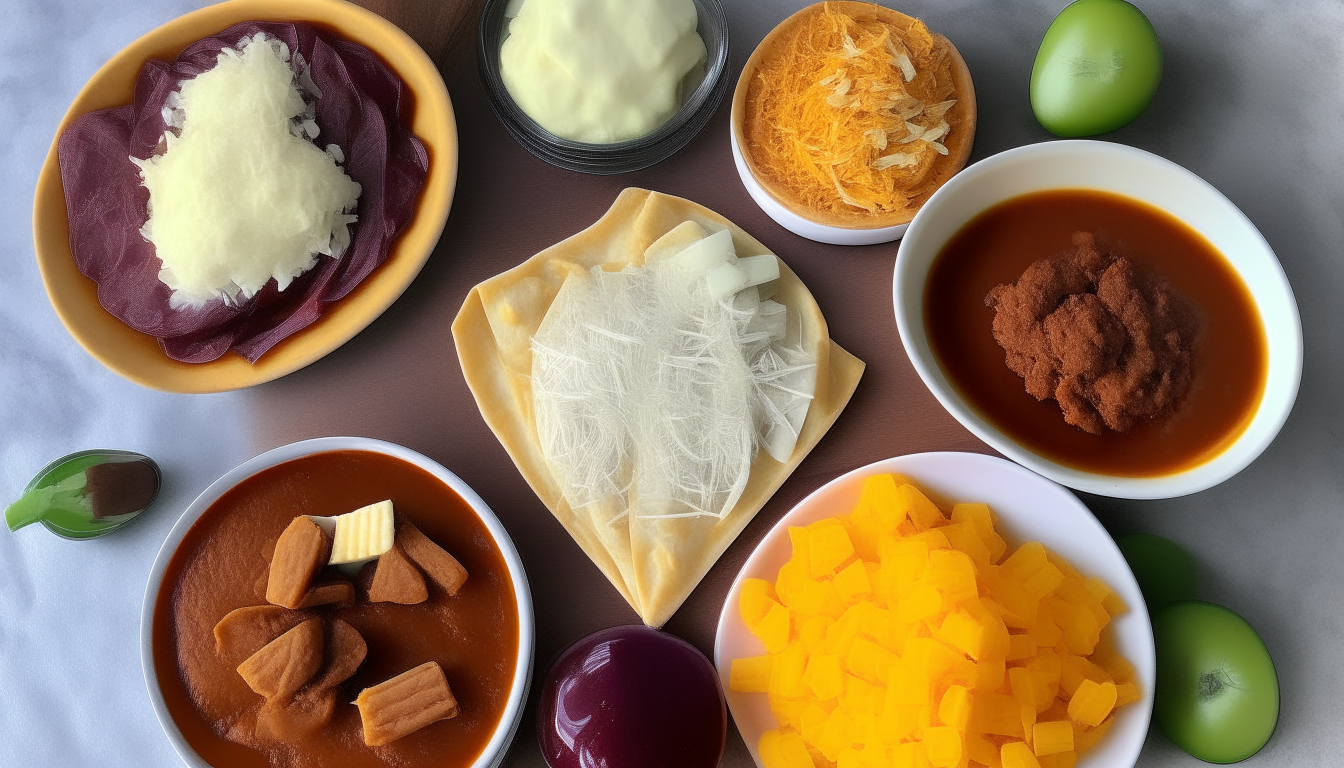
[(87, 494)]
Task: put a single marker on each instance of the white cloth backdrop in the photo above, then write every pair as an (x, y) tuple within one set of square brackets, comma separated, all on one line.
[(1250, 100)]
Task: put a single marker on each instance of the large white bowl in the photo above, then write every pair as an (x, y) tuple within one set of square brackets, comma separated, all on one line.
[(499, 742), (1141, 175), (1028, 508)]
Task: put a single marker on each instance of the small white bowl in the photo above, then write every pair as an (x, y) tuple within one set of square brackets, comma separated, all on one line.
[(822, 233), (493, 754), (1027, 507), (1137, 174)]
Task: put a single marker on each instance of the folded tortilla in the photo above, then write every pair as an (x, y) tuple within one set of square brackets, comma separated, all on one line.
[(653, 562)]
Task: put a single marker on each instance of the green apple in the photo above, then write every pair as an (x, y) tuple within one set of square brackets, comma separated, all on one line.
[(1097, 68), (1217, 692), (1164, 570)]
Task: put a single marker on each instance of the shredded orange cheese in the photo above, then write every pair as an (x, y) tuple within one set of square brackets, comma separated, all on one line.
[(848, 115)]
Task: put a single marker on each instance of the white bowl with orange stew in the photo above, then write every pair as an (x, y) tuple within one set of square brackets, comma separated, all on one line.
[(216, 559), (997, 216), (1025, 508)]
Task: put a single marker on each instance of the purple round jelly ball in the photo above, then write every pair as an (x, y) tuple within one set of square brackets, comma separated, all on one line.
[(632, 697)]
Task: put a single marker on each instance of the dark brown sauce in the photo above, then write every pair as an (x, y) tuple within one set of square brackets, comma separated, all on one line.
[(219, 564), (1230, 363)]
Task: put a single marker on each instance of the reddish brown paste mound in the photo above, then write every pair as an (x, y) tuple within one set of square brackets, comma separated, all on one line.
[(1111, 345), (360, 111)]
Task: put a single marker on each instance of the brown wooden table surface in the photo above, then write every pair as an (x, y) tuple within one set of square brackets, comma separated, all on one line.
[(399, 380)]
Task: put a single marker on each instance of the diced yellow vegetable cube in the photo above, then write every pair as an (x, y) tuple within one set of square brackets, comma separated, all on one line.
[(1053, 737), (1016, 754), (923, 602), (953, 573), (787, 676), (787, 710), (789, 583), (930, 656), (1027, 560), (963, 632), (902, 721), (980, 517), (818, 597), (834, 736), (1085, 738), (1059, 760), (933, 537), (852, 582), (829, 546), (1092, 703), (955, 708), (1063, 565), (801, 539), (1113, 603), (907, 755), (1116, 665), (815, 717), (868, 660), (861, 696), (1126, 693), (784, 750), (1045, 671), (964, 538), (1075, 669), (908, 684), (902, 566), (873, 622), (1024, 687), (775, 628), (1079, 626), (1043, 582), (990, 674), (1045, 632), (1022, 609), (755, 600), (841, 633), (824, 676), (812, 631), (922, 512), (983, 751), (996, 714), (879, 496), (943, 745), (996, 634), (1028, 715), (1021, 647), (751, 674)]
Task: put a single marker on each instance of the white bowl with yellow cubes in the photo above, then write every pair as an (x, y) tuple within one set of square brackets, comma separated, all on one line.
[(905, 625)]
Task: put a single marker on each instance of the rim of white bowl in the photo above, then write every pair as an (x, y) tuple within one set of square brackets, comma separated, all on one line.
[(498, 746), (1271, 293), (821, 233), (1139, 628)]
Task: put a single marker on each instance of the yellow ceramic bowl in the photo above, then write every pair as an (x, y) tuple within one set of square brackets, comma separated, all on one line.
[(137, 356)]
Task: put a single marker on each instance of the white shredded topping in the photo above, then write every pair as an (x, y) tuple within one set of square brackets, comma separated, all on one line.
[(240, 195), (895, 159), (936, 111), (650, 392), (904, 64)]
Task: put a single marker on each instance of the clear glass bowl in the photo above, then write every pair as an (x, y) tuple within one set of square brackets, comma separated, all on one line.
[(618, 157)]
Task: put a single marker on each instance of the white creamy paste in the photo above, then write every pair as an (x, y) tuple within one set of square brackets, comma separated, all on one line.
[(601, 71), (241, 195)]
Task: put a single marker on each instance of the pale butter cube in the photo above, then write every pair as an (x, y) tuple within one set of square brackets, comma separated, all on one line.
[(362, 535)]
